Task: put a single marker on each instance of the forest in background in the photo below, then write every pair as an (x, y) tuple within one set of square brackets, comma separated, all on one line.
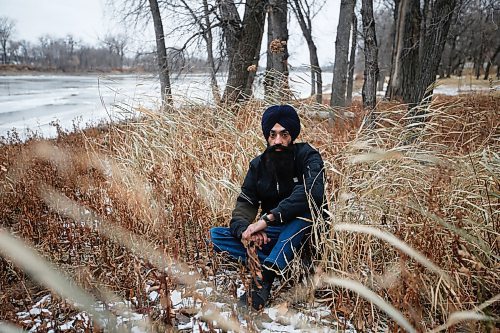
[(471, 42)]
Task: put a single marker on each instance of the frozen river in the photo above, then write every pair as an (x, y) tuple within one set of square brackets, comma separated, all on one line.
[(34, 102)]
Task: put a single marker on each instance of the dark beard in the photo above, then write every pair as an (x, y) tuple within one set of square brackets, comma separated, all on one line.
[(280, 163)]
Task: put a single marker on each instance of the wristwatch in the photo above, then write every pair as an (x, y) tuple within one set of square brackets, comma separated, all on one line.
[(266, 219)]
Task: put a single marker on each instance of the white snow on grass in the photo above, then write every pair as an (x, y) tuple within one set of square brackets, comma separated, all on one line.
[(275, 318)]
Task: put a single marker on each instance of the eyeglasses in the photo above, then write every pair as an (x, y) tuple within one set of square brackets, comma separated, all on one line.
[(284, 134)]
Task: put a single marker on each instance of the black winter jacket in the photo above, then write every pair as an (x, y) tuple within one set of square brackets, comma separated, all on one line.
[(286, 199)]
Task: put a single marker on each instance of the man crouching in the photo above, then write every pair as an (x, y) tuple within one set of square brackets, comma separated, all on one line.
[(279, 181)]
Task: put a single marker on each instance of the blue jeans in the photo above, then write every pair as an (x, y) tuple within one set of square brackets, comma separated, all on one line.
[(283, 240)]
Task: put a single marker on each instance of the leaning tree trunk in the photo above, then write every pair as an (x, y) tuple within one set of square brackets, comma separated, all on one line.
[(352, 59), (277, 50), (243, 40), (341, 53), (432, 50), (161, 54), (369, 92)]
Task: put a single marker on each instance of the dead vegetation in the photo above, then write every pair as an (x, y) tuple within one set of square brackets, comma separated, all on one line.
[(413, 212)]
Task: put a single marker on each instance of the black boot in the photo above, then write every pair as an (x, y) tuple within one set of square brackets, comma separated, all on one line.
[(260, 296), (260, 293)]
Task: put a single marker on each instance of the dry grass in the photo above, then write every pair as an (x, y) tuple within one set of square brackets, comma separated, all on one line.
[(127, 206)]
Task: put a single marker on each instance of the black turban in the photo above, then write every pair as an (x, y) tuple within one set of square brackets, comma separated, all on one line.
[(285, 115)]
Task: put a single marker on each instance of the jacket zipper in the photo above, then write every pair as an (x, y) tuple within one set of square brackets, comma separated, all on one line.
[(278, 187)]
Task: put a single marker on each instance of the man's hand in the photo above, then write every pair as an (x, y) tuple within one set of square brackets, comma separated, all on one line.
[(259, 238), (255, 233)]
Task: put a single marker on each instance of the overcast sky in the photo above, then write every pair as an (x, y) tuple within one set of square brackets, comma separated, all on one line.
[(90, 20)]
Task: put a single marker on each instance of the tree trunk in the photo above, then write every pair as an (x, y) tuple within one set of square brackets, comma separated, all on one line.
[(395, 38), (423, 27), (381, 80), (306, 27), (161, 54), (433, 48), (478, 64), (277, 50), (369, 92), (341, 53), (479, 60), (492, 59), (405, 66), (207, 35), (4, 51), (268, 77), (352, 58), (231, 26), (243, 40), (452, 57), (318, 74)]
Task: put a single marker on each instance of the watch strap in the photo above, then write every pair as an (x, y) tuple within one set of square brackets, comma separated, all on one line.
[(266, 218)]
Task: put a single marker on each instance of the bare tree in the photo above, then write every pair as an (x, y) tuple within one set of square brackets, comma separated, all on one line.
[(135, 11), (432, 49), (205, 26), (303, 10), (491, 61), (473, 36), (404, 69), (161, 51), (395, 38), (6, 29), (341, 53), (371, 73), (420, 34), (208, 37), (384, 22), (276, 78), (243, 39), (116, 45)]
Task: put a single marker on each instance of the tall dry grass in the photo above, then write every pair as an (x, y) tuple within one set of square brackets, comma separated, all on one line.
[(122, 207), (437, 192)]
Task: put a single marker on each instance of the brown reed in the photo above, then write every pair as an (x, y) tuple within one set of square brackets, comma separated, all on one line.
[(159, 182)]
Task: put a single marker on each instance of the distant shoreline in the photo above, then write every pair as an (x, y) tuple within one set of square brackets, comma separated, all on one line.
[(7, 70)]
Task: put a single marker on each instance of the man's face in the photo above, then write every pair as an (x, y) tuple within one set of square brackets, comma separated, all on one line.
[(279, 136)]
